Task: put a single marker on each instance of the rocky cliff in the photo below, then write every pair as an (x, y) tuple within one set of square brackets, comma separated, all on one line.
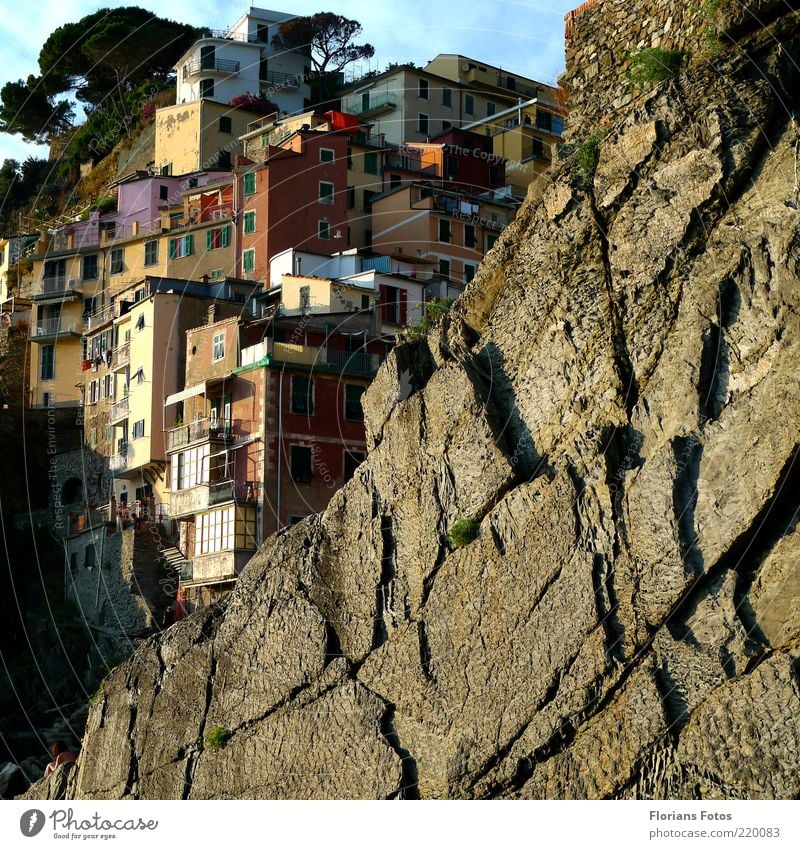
[(615, 401)]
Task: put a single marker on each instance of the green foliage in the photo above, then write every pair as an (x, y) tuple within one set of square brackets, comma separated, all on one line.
[(217, 737), (435, 311), (588, 155), (655, 64), (328, 38), (463, 532), (711, 41), (29, 110), (107, 204)]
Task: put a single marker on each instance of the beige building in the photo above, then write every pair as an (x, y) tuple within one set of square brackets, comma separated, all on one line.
[(198, 136)]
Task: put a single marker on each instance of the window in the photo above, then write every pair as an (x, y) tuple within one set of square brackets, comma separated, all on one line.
[(250, 183), (351, 197), (180, 247), (89, 270), (469, 104), (250, 221), (166, 170), (444, 230), (47, 364), (224, 159), (490, 240), (249, 260), (447, 97), (326, 154), (303, 395), (365, 101), (224, 124), (350, 158), (544, 120), (423, 89), (394, 181), (469, 236), (191, 467), (117, 260), (365, 304), (140, 321), (301, 464), (451, 166), (151, 252), (206, 88), (138, 429), (217, 237), (444, 267), (422, 123), (368, 195), (47, 399), (446, 125), (537, 148), (163, 192), (469, 272), (93, 438), (108, 386), (494, 175), (305, 297), (89, 308), (324, 229), (219, 347), (352, 402), (371, 163), (326, 192), (93, 392), (352, 460), (490, 108), (139, 376)]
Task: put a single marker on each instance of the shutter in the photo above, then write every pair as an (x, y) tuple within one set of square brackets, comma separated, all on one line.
[(226, 236), (384, 297), (209, 239), (173, 245), (187, 241), (403, 306)]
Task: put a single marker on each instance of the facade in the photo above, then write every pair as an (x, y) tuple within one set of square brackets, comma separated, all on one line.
[(270, 425), (12, 281), (200, 135), (453, 229), (242, 59), (132, 357)]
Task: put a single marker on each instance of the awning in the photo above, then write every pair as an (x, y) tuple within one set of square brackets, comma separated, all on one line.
[(189, 392)]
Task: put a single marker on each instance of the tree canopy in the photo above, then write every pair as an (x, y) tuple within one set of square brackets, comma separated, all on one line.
[(327, 37)]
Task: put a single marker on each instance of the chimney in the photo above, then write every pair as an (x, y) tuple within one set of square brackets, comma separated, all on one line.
[(204, 278), (213, 313)]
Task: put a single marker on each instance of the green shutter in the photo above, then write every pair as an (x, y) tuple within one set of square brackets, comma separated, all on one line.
[(187, 244), (173, 246), (226, 236), (209, 239)]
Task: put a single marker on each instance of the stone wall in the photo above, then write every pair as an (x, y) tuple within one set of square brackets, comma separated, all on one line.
[(602, 37)]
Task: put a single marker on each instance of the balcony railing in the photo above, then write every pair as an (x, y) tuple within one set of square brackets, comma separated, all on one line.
[(377, 102), (54, 327), (201, 429), (122, 355), (120, 460), (58, 285), (120, 409), (222, 66), (353, 362), (281, 79)]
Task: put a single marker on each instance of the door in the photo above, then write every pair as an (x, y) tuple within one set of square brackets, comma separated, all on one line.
[(207, 55)]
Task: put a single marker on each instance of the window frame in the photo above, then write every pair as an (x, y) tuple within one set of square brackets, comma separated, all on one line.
[(116, 261), (309, 396), (249, 183), (295, 474), (148, 245), (249, 222), (217, 347), (323, 154), (427, 123), (248, 259), (52, 362), (423, 86), (324, 229), (84, 275), (347, 402), (326, 195)]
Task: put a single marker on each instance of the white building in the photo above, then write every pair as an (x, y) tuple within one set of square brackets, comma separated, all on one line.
[(242, 59)]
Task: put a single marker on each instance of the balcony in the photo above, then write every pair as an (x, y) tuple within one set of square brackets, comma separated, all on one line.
[(57, 288), (219, 566), (333, 359), (375, 104), (53, 328), (120, 460), (198, 67), (120, 409), (121, 355), (202, 429), (281, 80), (196, 499)]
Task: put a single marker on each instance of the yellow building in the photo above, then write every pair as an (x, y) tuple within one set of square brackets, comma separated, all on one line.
[(199, 136)]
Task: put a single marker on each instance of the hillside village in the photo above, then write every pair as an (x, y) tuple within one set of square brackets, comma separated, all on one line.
[(211, 326)]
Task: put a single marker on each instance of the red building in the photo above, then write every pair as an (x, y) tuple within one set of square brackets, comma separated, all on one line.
[(295, 198)]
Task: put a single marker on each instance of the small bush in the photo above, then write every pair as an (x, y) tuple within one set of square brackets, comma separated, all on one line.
[(107, 204), (655, 64), (217, 737), (435, 311), (463, 532), (588, 156)]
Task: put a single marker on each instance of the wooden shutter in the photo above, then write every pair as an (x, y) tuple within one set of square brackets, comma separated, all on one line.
[(403, 306), (384, 298)]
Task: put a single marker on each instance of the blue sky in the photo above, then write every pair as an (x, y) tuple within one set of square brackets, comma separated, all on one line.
[(523, 37)]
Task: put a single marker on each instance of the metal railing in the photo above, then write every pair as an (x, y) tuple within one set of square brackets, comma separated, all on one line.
[(122, 354), (224, 66), (120, 409), (202, 429), (281, 79), (354, 362), (383, 100), (57, 285), (52, 327), (119, 461)]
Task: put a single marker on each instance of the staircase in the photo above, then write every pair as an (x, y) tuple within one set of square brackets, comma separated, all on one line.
[(177, 561)]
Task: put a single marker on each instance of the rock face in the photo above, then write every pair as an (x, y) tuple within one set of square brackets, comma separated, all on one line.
[(615, 400)]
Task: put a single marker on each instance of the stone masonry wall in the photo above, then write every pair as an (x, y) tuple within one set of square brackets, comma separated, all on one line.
[(602, 37)]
